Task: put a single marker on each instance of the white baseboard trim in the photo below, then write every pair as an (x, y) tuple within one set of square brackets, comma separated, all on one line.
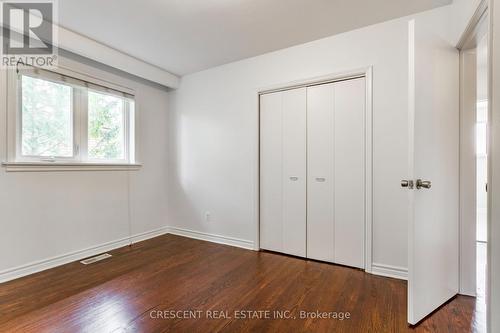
[(465, 292), (245, 244), (38, 266), (395, 272), (148, 235)]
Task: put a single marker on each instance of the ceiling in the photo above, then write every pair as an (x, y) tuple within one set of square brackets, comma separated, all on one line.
[(185, 36)]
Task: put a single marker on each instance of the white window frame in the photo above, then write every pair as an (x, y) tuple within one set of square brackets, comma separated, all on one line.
[(80, 160)]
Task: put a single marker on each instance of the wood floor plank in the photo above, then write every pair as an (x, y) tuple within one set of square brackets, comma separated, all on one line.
[(172, 273)]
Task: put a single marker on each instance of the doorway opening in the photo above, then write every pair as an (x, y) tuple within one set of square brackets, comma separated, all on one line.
[(481, 169), (474, 118), (474, 137)]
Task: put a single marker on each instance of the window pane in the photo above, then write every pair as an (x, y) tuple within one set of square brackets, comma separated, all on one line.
[(47, 127), (106, 127)]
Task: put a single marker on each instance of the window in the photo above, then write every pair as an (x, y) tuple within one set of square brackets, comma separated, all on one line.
[(106, 126), (47, 118), (68, 120)]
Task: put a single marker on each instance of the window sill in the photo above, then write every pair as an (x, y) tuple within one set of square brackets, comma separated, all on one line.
[(61, 166)]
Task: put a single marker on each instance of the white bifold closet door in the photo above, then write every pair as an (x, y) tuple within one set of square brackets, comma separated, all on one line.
[(283, 171), (336, 172)]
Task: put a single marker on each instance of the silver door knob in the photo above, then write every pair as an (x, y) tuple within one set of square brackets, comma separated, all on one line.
[(294, 179), (407, 183), (423, 184)]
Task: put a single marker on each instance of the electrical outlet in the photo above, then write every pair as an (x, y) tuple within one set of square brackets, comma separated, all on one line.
[(207, 216)]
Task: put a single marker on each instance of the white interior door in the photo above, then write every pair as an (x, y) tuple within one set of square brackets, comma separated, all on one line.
[(283, 171), (294, 171), (271, 172), (320, 170), (434, 158), (350, 100), (336, 172)]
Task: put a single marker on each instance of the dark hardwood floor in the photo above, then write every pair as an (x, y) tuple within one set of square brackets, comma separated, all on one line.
[(132, 290)]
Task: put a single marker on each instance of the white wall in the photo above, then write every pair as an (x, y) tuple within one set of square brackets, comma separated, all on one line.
[(213, 132), (50, 214)]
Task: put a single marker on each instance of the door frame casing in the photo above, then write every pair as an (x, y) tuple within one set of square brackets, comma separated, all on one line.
[(477, 27), (364, 72)]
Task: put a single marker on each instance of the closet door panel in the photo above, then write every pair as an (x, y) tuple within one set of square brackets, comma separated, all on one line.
[(320, 169), (350, 172), (294, 171), (271, 172)]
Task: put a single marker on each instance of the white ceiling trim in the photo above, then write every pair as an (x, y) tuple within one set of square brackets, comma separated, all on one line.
[(94, 50), (89, 48)]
